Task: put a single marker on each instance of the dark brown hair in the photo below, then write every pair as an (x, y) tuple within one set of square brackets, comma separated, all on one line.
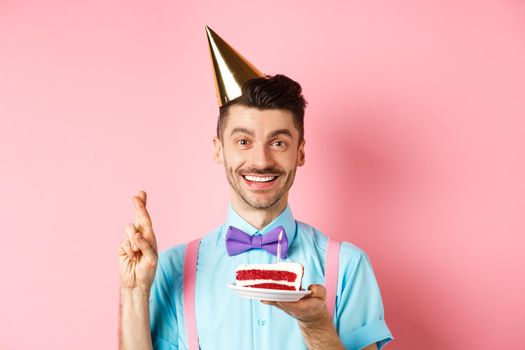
[(273, 92)]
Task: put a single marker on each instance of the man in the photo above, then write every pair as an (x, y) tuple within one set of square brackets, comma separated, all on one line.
[(260, 142)]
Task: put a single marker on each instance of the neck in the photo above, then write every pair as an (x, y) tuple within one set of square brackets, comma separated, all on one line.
[(259, 218)]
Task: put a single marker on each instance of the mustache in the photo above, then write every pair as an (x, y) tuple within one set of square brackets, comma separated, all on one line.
[(266, 171)]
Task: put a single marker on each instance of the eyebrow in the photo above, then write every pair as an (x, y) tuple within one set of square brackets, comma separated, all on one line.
[(242, 131), (252, 134), (281, 132)]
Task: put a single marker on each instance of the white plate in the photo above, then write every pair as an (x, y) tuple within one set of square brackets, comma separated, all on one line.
[(269, 294)]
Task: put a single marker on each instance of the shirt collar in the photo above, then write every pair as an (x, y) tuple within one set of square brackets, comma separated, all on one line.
[(284, 219)]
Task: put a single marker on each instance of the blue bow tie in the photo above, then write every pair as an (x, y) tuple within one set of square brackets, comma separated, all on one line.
[(238, 241)]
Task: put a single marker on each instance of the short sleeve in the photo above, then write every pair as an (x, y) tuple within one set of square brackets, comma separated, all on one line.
[(359, 307), (163, 320)]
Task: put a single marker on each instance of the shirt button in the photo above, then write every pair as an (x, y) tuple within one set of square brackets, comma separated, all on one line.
[(261, 322)]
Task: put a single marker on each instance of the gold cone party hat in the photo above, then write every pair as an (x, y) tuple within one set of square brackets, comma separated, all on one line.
[(230, 68)]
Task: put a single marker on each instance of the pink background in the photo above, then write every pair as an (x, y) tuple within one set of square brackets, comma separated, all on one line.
[(415, 137)]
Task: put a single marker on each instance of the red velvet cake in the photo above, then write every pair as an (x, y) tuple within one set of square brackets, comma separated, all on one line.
[(283, 275)]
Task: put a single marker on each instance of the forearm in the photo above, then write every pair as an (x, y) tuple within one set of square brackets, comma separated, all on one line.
[(321, 334), (134, 320)]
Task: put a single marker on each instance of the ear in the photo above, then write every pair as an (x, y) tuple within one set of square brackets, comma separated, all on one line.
[(300, 153), (217, 153)]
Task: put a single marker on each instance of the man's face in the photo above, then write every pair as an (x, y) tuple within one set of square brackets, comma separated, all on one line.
[(260, 151)]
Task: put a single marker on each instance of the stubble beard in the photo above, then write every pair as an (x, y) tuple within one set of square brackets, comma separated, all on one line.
[(254, 203)]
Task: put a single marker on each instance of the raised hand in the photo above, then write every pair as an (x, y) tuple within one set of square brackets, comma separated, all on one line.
[(138, 254)]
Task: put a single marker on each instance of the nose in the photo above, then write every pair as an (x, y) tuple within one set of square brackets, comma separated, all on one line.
[(261, 157)]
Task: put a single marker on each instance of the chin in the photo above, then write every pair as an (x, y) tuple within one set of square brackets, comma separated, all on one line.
[(262, 203)]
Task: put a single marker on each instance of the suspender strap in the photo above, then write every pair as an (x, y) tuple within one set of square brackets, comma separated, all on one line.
[(331, 272), (188, 290)]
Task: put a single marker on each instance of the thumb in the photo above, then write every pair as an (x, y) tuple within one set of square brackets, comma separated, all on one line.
[(148, 252), (318, 291)]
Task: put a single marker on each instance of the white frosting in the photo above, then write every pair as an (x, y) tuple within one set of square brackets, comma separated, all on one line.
[(295, 268), (245, 283)]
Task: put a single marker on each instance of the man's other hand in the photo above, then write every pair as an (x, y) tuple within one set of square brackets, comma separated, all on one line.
[(137, 258)]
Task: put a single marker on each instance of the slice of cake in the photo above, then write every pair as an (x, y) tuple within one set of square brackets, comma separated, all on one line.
[(283, 275)]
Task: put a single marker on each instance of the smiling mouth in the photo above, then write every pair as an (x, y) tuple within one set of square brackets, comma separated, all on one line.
[(260, 182), (259, 179)]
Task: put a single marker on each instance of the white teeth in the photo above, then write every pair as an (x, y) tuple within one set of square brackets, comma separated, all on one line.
[(259, 179)]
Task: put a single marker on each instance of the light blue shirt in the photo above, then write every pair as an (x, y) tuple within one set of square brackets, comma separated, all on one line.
[(226, 321)]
